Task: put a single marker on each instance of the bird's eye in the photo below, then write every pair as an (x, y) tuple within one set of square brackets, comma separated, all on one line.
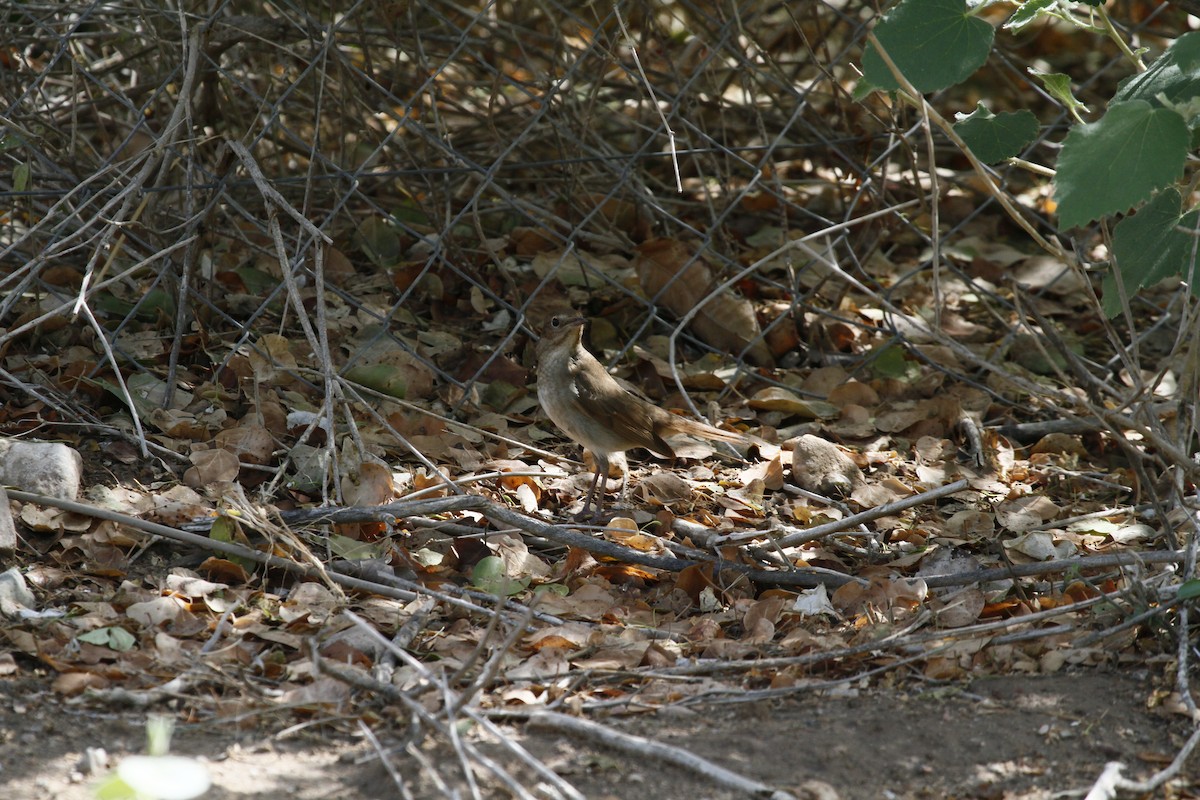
[(555, 322)]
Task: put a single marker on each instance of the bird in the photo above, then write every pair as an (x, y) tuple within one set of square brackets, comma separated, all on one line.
[(581, 398)]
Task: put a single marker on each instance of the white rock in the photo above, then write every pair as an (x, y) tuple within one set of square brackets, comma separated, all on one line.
[(8, 531), (46, 468)]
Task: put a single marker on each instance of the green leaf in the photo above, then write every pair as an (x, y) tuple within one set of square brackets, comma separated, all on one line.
[(1058, 86), (154, 303), (20, 179), (1027, 13), (257, 282), (10, 142), (1188, 590), (892, 362), (1175, 74), (501, 394), (935, 43), (995, 137), (112, 637), (385, 378), (409, 212), (1150, 246), (113, 788), (353, 549), (1111, 165), (379, 242), (489, 576), (227, 529)]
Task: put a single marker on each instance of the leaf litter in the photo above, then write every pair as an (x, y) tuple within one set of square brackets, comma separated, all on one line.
[(712, 585)]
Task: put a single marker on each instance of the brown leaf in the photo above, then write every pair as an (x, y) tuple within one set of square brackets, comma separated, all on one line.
[(72, 684), (224, 570), (656, 656), (210, 466), (250, 442), (671, 276)]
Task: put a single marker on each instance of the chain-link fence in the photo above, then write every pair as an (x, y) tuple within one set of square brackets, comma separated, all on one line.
[(187, 188)]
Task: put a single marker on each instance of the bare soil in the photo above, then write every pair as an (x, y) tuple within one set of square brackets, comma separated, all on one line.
[(1006, 737)]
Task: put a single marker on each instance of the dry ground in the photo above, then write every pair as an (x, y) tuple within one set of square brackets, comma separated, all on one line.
[(1005, 737)]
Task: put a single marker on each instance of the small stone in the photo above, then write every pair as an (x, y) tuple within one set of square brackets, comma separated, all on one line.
[(47, 468)]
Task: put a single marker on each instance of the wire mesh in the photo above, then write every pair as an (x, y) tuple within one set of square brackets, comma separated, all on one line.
[(429, 181)]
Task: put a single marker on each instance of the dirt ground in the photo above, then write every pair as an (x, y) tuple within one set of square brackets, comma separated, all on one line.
[(1007, 737)]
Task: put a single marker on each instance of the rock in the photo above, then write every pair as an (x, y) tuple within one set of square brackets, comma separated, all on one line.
[(46, 468), (820, 466), (8, 531), (15, 596)]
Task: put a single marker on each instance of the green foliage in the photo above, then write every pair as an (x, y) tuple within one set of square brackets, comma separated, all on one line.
[(1058, 86), (1028, 12), (1132, 156), (1109, 166), (996, 137), (380, 242), (112, 637), (1175, 75), (893, 362), (384, 378), (935, 43), (489, 576), (1150, 246)]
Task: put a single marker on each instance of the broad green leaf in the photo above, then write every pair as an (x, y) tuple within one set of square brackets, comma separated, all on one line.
[(488, 576), (501, 394), (1188, 590), (995, 137), (1175, 75), (154, 303), (892, 362), (1109, 166), (1150, 246), (409, 212), (935, 43), (386, 378), (112, 637), (112, 787), (1027, 13)]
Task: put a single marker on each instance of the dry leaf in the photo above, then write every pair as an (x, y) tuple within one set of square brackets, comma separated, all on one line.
[(671, 276)]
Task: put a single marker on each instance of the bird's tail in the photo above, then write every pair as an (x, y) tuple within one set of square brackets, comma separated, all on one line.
[(693, 428)]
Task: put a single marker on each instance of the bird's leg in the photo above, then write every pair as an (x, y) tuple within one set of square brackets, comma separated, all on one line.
[(601, 475)]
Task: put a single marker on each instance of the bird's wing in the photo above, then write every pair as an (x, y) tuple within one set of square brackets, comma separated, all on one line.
[(631, 419)]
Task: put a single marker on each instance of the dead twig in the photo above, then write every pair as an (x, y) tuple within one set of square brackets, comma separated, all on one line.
[(643, 747), (841, 525)]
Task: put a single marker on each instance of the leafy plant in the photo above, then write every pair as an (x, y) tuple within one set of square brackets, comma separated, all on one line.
[(1132, 157)]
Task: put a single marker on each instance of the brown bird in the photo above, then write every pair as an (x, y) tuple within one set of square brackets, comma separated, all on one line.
[(590, 406)]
